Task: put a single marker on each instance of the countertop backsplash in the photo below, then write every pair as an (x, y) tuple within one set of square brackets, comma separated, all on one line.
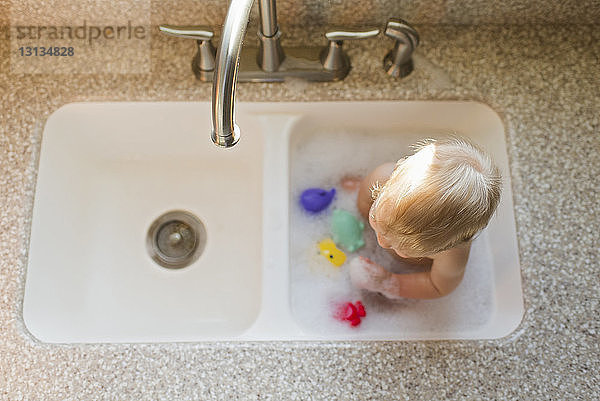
[(346, 13)]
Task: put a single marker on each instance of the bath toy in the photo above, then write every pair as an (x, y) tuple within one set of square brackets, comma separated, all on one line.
[(316, 199), (328, 249), (351, 312), (347, 230), (360, 308)]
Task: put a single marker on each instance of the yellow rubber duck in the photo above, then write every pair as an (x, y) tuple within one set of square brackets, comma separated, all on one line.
[(328, 249)]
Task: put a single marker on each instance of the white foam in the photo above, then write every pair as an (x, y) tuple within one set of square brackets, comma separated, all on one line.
[(317, 285)]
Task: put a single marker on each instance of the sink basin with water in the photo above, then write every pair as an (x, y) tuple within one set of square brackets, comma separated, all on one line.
[(108, 171)]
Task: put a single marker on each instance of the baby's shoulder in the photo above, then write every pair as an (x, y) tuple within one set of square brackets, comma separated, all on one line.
[(453, 258)]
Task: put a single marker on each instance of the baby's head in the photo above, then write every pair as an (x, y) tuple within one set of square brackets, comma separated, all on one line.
[(436, 199)]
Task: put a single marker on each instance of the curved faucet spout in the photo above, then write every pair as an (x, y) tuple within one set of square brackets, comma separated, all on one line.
[(225, 132)]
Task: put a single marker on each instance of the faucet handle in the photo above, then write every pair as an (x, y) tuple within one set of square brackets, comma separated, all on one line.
[(338, 36), (398, 62), (187, 31), (203, 63), (333, 57)]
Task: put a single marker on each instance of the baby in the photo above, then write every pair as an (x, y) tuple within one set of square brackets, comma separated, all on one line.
[(427, 208)]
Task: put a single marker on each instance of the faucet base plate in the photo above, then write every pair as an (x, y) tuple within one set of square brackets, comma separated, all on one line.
[(300, 62)]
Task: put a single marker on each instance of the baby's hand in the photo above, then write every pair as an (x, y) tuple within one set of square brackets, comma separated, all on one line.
[(368, 275), (350, 182)]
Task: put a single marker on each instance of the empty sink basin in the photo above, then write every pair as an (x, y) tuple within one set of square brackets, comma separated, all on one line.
[(144, 231), (107, 173)]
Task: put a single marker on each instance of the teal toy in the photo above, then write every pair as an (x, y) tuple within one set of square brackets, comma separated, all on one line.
[(347, 230)]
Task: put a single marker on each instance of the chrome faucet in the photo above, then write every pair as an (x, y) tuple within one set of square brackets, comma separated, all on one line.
[(225, 131), (267, 63)]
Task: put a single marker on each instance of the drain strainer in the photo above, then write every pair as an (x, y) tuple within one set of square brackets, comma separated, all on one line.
[(176, 239)]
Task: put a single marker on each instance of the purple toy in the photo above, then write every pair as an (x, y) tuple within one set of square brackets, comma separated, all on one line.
[(316, 199)]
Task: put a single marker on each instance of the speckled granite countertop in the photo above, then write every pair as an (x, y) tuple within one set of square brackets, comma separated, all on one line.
[(542, 79)]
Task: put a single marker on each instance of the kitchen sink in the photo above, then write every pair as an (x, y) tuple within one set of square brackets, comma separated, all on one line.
[(111, 175)]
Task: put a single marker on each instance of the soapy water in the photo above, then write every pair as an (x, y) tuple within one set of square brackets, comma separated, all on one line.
[(318, 287)]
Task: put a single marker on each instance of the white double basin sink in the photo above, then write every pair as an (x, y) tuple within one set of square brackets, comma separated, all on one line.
[(108, 170)]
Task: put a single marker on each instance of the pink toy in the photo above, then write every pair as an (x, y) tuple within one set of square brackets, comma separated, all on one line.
[(360, 308), (350, 312)]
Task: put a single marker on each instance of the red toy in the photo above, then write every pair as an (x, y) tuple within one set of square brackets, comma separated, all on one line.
[(351, 312)]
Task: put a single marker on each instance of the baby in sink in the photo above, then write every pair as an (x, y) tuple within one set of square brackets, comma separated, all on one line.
[(426, 208)]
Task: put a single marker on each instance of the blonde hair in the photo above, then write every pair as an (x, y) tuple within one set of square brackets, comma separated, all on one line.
[(438, 198)]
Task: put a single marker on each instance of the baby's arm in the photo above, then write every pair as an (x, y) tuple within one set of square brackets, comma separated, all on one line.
[(445, 275), (364, 200)]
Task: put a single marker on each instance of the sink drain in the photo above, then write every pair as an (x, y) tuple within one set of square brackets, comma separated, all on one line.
[(176, 239)]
